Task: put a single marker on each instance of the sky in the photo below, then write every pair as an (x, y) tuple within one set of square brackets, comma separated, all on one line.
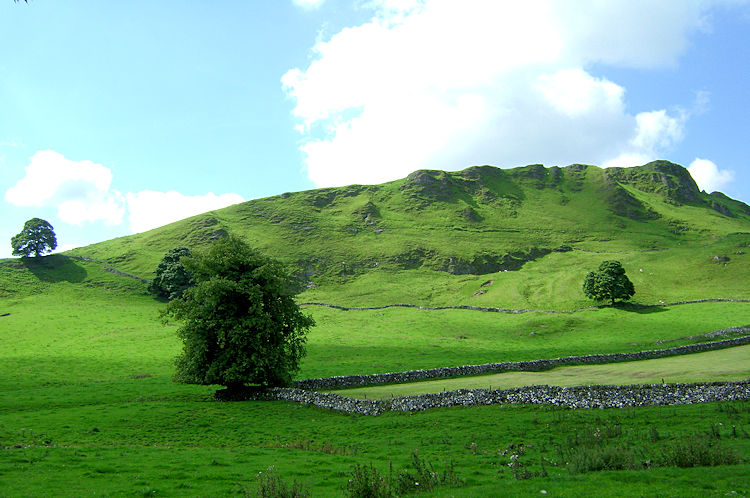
[(118, 117)]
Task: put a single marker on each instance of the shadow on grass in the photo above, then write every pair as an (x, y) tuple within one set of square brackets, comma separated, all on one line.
[(642, 309), (55, 268)]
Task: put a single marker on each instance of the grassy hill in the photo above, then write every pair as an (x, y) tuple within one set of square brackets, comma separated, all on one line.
[(87, 404), (442, 235)]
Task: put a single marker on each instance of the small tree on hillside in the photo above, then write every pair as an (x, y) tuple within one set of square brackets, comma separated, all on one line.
[(36, 237), (609, 282), (240, 322), (172, 279)]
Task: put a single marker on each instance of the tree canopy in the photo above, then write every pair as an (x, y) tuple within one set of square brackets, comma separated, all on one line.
[(609, 282), (172, 279), (240, 322), (37, 237)]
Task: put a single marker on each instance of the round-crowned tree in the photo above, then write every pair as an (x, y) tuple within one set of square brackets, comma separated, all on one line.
[(241, 324), (172, 279), (609, 282), (37, 237)]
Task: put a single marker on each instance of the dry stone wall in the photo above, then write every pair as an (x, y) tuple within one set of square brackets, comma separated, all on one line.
[(346, 381), (570, 397)]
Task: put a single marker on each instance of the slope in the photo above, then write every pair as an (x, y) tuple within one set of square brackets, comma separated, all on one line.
[(442, 235)]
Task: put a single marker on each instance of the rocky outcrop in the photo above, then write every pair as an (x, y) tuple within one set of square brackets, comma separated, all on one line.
[(482, 264), (671, 180)]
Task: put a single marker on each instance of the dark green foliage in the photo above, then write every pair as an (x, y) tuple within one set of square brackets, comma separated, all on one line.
[(240, 322), (594, 458), (172, 279), (37, 237), (608, 282), (699, 450), (271, 485), (424, 477), (367, 482)]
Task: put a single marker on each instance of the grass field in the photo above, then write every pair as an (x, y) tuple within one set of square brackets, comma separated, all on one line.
[(722, 365), (100, 324), (87, 405)]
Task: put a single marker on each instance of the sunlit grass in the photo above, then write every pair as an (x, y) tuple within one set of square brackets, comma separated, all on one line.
[(722, 365)]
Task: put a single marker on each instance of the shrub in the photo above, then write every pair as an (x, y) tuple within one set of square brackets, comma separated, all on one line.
[(699, 450), (593, 458), (271, 485), (424, 478), (367, 482)]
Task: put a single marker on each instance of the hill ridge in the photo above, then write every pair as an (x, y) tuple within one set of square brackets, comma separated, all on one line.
[(478, 221)]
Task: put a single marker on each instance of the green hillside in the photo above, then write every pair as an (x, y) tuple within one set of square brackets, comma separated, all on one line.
[(87, 404), (442, 235)]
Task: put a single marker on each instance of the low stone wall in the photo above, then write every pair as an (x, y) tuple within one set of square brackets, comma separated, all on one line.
[(346, 381), (570, 397), (514, 311)]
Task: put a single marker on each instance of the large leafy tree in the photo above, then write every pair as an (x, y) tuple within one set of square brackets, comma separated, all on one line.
[(37, 237), (240, 322), (172, 278), (609, 282)]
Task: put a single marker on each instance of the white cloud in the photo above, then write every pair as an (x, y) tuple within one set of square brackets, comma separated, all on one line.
[(80, 190), (308, 4), (708, 176), (574, 92), (655, 131), (444, 84), (149, 209)]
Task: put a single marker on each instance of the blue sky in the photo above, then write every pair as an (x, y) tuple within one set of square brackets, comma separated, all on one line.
[(117, 117)]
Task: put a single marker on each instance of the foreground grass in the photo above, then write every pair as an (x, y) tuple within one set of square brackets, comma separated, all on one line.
[(87, 405), (723, 365), (171, 440)]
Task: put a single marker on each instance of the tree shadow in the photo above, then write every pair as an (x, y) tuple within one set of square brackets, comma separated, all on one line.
[(642, 309), (55, 268)]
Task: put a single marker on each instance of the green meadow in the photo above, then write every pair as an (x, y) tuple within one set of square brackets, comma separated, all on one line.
[(88, 407), (722, 365)]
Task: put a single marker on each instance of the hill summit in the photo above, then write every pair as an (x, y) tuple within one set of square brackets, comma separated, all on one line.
[(476, 221)]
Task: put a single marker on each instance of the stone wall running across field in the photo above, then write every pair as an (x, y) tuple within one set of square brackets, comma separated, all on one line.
[(570, 397), (347, 381), (519, 311)]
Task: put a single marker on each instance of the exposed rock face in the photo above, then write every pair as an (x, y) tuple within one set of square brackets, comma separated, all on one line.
[(721, 208), (666, 178), (369, 213), (469, 214), (430, 184), (483, 264), (721, 204), (622, 203)]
